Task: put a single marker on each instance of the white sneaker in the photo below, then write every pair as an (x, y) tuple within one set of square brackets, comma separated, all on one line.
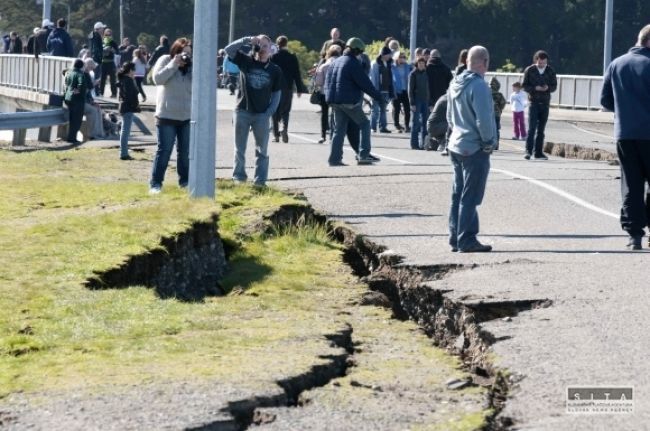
[(154, 191)]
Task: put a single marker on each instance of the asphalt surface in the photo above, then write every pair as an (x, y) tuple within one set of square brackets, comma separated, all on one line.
[(555, 232)]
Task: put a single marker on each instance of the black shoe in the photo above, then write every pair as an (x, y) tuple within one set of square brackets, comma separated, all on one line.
[(527, 156), (635, 243), (407, 129), (454, 249), (337, 164), (365, 161), (127, 157), (444, 152), (477, 248), (276, 138), (74, 142), (384, 130), (285, 136), (541, 157), (322, 140), (374, 158)]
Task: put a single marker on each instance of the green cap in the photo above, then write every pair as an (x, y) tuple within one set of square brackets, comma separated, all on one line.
[(355, 42)]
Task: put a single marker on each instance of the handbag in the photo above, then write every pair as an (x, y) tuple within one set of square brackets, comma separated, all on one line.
[(316, 98)]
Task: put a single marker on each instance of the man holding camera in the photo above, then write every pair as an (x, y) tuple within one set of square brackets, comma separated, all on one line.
[(257, 99)]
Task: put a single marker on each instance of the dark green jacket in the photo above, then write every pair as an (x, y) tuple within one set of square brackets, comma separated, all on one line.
[(75, 80)]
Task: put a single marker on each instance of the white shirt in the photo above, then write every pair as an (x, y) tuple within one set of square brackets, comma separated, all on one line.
[(518, 101)]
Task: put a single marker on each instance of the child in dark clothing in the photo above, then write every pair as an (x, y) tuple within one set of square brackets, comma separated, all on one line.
[(499, 104), (129, 105)]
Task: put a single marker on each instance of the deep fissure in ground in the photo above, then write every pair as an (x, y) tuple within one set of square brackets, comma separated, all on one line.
[(199, 255)]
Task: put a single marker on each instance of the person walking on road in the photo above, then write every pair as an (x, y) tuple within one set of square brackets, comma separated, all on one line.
[(470, 114), (539, 82), (626, 91), (345, 84), (420, 99), (258, 97), (288, 63)]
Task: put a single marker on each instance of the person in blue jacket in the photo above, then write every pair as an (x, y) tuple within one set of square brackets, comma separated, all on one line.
[(59, 42), (345, 84), (626, 91)]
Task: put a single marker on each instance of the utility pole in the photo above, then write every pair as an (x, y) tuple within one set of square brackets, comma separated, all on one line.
[(414, 28), (47, 9), (231, 30), (609, 23), (121, 21), (203, 124)]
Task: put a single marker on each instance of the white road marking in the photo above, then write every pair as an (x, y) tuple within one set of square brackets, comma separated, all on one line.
[(592, 133), (558, 192), (538, 183)]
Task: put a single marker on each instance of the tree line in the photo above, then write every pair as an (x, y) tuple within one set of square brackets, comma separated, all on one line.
[(571, 31)]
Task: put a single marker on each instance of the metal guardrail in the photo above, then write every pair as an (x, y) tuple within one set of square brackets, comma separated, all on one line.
[(573, 91), (42, 75), (33, 120)]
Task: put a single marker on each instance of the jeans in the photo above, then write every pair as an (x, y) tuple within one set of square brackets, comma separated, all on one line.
[(537, 118), (379, 112), (343, 114), (127, 119), (282, 113), (108, 71), (470, 179), (634, 156), (76, 112), (167, 134), (419, 130), (401, 102), (259, 123), (519, 125)]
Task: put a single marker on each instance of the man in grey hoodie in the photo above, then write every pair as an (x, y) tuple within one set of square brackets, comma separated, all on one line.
[(470, 114)]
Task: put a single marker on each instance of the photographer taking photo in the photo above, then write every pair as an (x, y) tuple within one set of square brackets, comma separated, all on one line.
[(258, 97), (172, 75)]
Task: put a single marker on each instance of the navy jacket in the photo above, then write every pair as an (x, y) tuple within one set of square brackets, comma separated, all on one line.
[(626, 91), (346, 82), (59, 43)]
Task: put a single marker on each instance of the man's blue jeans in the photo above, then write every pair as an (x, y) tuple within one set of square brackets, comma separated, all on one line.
[(167, 134), (470, 178), (342, 115), (419, 130), (259, 124), (537, 118), (127, 119), (379, 112)]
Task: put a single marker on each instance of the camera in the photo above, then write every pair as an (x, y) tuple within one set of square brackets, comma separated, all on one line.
[(257, 48), (187, 59)]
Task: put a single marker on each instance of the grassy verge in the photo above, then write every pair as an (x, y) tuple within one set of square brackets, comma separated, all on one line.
[(69, 214)]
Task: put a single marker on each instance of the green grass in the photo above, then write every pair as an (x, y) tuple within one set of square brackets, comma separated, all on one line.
[(69, 214)]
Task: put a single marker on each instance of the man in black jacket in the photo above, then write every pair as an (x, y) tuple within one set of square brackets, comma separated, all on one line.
[(439, 76), (288, 63), (162, 49), (539, 82)]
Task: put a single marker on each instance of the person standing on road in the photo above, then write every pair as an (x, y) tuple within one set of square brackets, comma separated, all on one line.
[(439, 76), (518, 103), (288, 63), (258, 97), (59, 42), (381, 75), (96, 46), (470, 114), (626, 91), (401, 72), (420, 99), (333, 53), (539, 82), (172, 75), (75, 99), (345, 84)]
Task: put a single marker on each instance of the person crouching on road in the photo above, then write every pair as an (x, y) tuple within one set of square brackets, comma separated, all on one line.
[(470, 114), (172, 75), (258, 97), (129, 105), (345, 84)]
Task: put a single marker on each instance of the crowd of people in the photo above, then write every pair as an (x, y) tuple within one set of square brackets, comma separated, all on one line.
[(455, 112)]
